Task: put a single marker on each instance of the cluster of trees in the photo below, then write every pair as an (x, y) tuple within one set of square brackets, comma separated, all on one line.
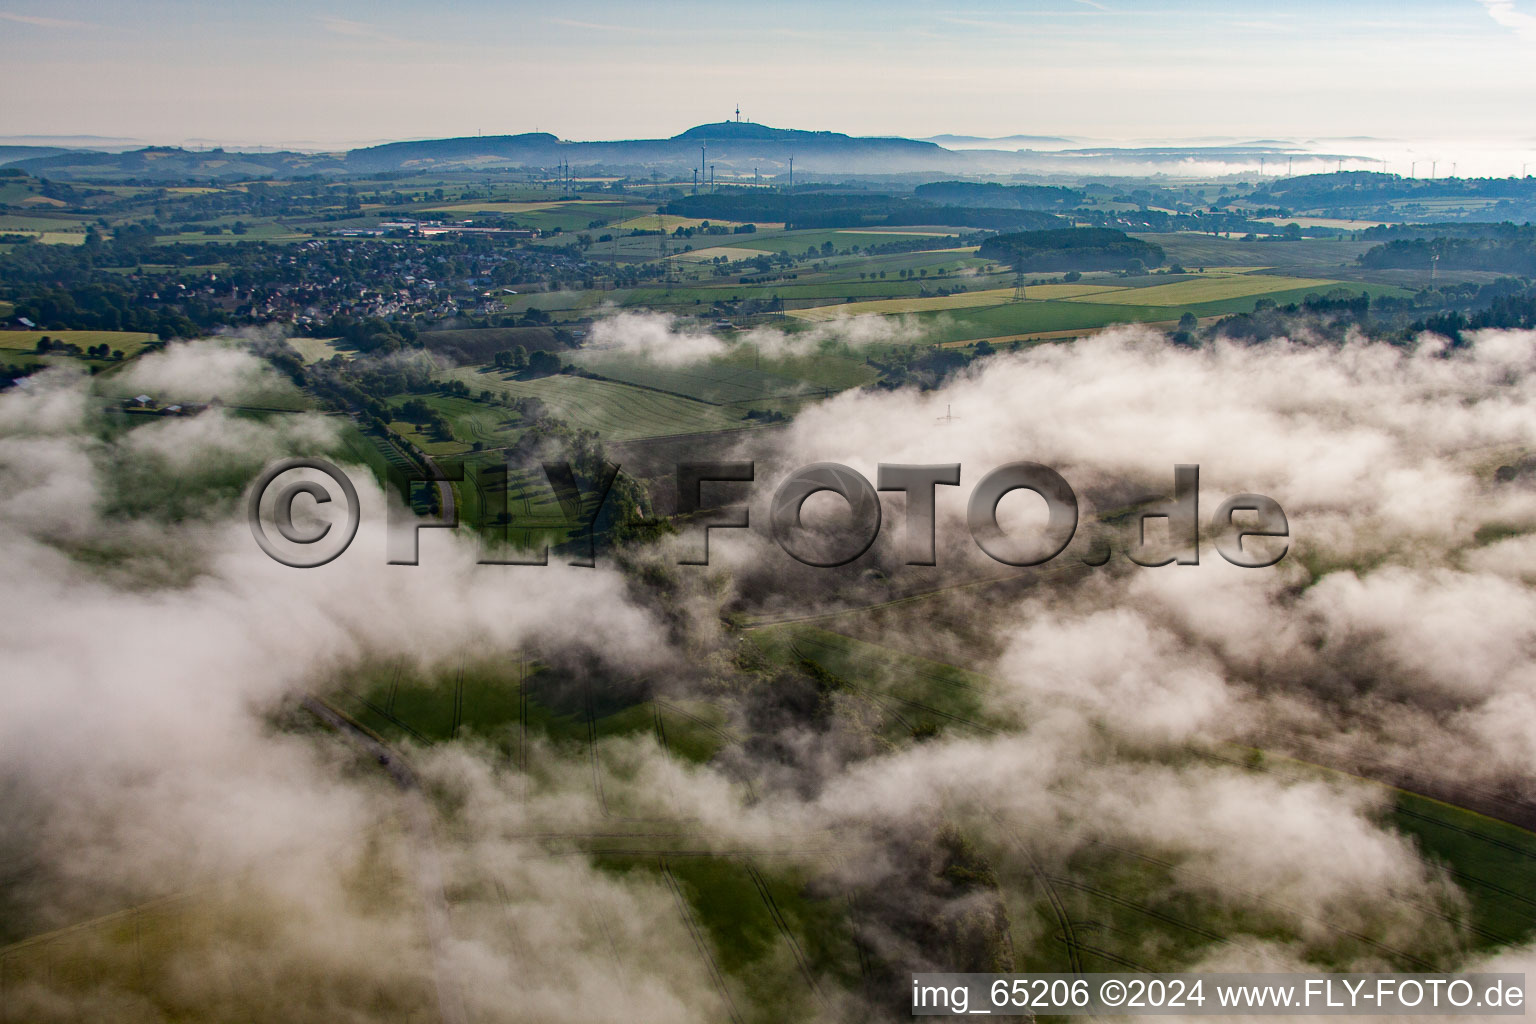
[(1452, 311), (11, 373), (1445, 229), (1072, 249), (357, 384), (1511, 251), (371, 334), (538, 363), (927, 368), (1356, 188), (1511, 312), (625, 514), (417, 411), (46, 345)]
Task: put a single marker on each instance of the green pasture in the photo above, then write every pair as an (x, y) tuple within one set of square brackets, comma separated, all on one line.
[(818, 370), (314, 350), (1207, 288), (130, 343), (616, 411), (796, 242), (714, 382)]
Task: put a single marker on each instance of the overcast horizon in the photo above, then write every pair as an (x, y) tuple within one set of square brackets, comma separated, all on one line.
[(169, 71)]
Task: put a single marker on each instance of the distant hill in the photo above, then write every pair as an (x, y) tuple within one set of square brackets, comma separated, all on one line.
[(15, 154), (739, 147), (172, 163), (534, 149), (735, 148)]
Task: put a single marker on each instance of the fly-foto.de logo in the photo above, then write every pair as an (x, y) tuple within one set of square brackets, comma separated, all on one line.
[(272, 504)]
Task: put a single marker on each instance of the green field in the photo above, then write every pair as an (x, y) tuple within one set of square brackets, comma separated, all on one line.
[(128, 342), (35, 223), (1207, 288), (759, 921), (833, 370), (908, 692), (1091, 312), (796, 242), (376, 453), (714, 382), (489, 491), (471, 422), (540, 215), (313, 350), (817, 286), (765, 924), (1029, 317), (960, 300), (618, 412), (256, 231)]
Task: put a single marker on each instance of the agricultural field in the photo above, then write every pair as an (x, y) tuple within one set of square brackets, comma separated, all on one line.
[(609, 752), (1313, 255), (1071, 291), (666, 221), (833, 370), (716, 382), (314, 350), (1206, 288), (840, 238), (513, 207), (766, 922), (507, 506), (38, 223), (256, 231), (567, 215), (1031, 317), (130, 343), (474, 425), (1343, 224), (714, 252), (959, 300), (374, 452), (618, 412)]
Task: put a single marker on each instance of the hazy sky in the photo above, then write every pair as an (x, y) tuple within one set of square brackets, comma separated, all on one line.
[(289, 72)]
